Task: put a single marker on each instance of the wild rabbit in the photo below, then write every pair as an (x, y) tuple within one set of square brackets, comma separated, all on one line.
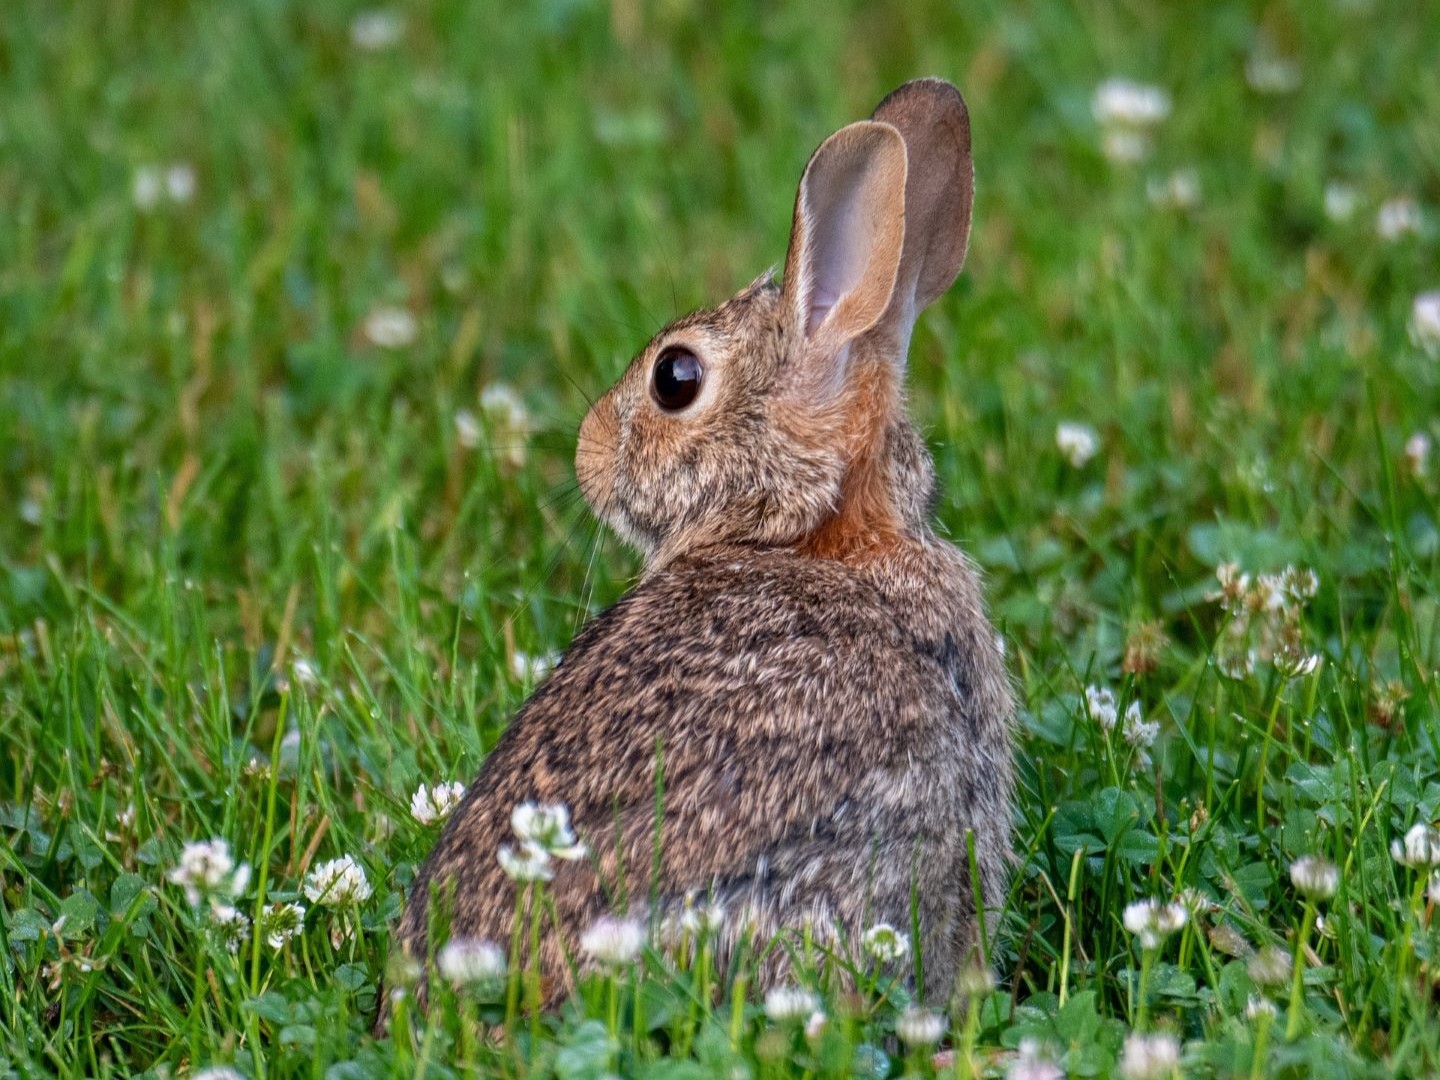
[(805, 660)]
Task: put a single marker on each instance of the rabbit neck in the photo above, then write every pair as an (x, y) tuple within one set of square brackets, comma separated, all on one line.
[(885, 495)]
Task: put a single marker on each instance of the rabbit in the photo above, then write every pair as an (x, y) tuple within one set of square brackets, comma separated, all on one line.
[(804, 679)]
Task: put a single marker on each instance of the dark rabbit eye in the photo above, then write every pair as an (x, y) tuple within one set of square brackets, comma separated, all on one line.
[(676, 380)]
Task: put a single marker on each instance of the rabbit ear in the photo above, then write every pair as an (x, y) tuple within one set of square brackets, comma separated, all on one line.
[(847, 238), (931, 117)]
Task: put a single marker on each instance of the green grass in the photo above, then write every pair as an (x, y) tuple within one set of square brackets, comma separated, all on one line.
[(207, 473)]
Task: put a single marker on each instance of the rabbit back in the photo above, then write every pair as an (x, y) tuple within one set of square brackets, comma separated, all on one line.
[(821, 752)]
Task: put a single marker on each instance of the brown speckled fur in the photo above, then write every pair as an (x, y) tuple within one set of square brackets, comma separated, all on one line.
[(811, 661)]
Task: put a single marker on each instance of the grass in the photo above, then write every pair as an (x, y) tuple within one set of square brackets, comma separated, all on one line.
[(210, 474)]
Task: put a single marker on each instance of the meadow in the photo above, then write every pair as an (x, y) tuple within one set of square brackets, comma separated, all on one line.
[(300, 305)]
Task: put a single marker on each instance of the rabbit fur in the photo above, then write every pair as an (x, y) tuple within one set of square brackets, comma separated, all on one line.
[(805, 661)]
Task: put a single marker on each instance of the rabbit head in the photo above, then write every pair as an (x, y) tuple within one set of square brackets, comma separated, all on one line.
[(778, 417)]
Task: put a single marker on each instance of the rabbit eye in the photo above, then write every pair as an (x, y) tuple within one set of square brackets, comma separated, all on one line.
[(676, 379)]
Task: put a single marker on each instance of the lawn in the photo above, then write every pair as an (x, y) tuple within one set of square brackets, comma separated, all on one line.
[(300, 306)]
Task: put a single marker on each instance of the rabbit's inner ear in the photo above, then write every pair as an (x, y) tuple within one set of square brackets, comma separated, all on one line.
[(838, 249), (848, 234)]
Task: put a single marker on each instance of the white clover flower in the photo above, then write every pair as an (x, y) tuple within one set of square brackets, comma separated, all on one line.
[(886, 944), (1268, 595), (391, 327), (531, 668), (1234, 582), (1270, 74), (470, 961), (1078, 443), (467, 429), (506, 417), (1425, 322), (376, 30), (1341, 202), (207, 869), (232, 926), (338, 883), (281, 922), (1398, 218), (547, 827), (693, 922), (1124, 103), (1420, 848), (1178, 191), (304, 671), (180, 182), (1100, 706), (1149, 1057), (1302, 583), (1196, 902), (1271, 966), (918, 1027), (151, 183), (1417, 454), (815, 1025), (341, 931), (529, 863), (613, 942), (975, 981), (1290, 664), (702, 919), (1237, 664), (1138, 731), (1124, 146), (503, 404), (1259, 1008), (1033, 1062), (216, 1072), (1152, 921), (256, 768), (1316, 877), (147, 186), (431, 804), (784, 1004)]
